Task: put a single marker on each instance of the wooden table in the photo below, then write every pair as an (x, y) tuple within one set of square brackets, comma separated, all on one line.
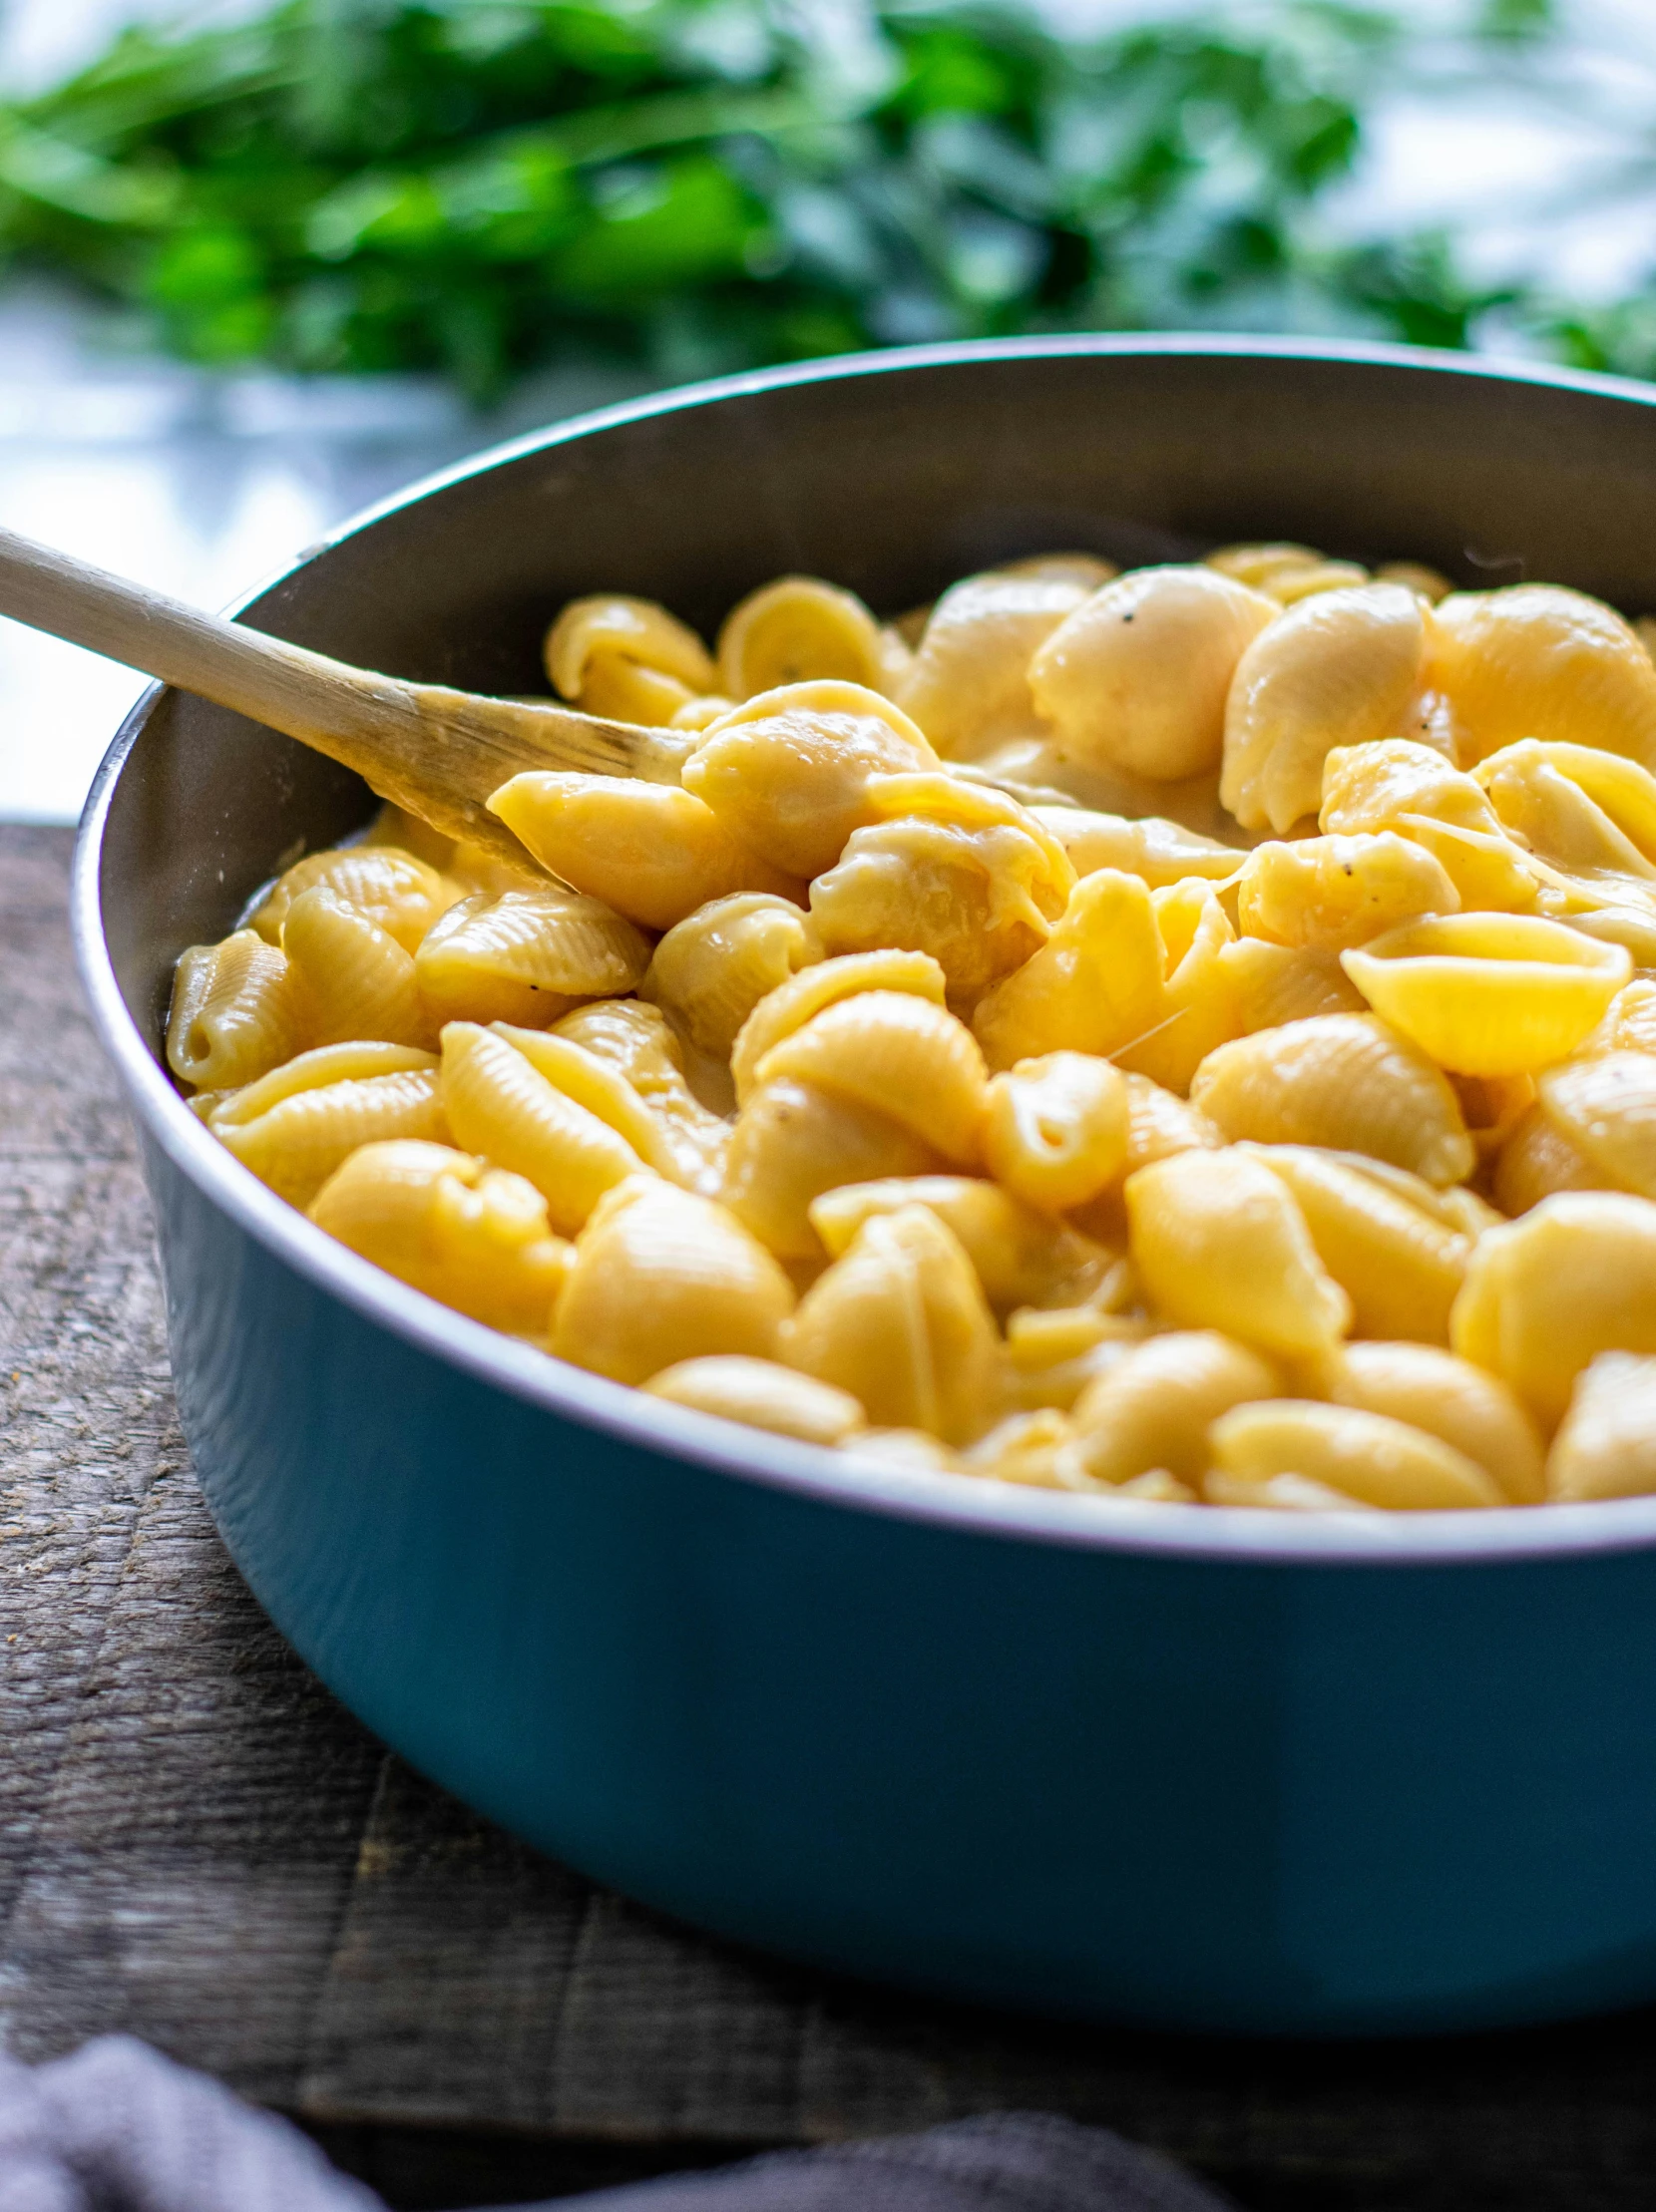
[(197, 1845)]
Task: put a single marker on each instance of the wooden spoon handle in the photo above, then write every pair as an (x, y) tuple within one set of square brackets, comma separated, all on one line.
[(437, 752), (301, 694)]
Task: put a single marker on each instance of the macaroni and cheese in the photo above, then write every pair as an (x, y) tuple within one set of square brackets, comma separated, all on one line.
[(1186, 1035)]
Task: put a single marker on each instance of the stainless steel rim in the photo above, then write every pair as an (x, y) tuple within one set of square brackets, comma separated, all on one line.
[(1212, 1533)]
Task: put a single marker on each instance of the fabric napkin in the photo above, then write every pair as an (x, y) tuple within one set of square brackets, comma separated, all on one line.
[(118, 2128)]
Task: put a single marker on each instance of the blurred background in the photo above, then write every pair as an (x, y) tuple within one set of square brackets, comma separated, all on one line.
[(260, 264)]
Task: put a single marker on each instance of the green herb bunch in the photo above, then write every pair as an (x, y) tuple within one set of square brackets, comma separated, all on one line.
[(484, 186)]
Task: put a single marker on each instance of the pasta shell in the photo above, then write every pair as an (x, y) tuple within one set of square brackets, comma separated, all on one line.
[(525, 957), (794, 1141), (662, 1275), (652, 852), (632, 1037), (1155, 1405), (1449, 1399), (619, 690), (499, 1105), (1375, 786), (1031, 1449), (1159, 852), (711, 970), (1489, 994), (900, 1055), (1182, 910), (791, 1004), (1056, 1129), (1095, 985), (1426, 582), (314, 1117), (1158, 1487), (397, 892), (327, 1063), (1633, 927), (1038, 1335), (1544, 1295), (234, 1012), (793, 631), (1606, 1447), (1366, 1456), (791, 784), (896, 659), (1589, 816), (464, 1233), (1159, 1124), (1538, 1160), (1294, 584), (927, 888), (1086, 571), (1629, 1026), (1536, 660), (1339, 892), (1200, 999), (702, 714), (352, 979), (1268, 985), (1494, 1105), (830, 695), (636, 1040), (901, 1323), (1137, 676), (1036, 771), (968, 681), (1220, 1243), (603, 1090), (1021, 1257), (1343, 667), (481, 867), (1455, 1209), (1489, 874), (1398, 1264), (1260, 564), (957, 801), (636, 630), (1286, 572), (762, 1395), (1053, 1356), (1342, 1082), (961, 873), (1606, 1107), (394, 826)]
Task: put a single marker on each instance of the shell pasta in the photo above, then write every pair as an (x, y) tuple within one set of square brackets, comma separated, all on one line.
[(1179, 1037)]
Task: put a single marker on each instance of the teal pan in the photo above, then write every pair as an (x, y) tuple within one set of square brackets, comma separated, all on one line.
[(1213, 1770)]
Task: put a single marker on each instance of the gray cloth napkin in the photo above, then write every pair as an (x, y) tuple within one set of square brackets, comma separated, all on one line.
[(118, 2129)]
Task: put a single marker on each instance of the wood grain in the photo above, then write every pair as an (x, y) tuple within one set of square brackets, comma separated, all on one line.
[(197, 1845)]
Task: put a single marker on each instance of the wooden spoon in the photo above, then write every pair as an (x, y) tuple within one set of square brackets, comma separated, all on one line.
[(438, 753)]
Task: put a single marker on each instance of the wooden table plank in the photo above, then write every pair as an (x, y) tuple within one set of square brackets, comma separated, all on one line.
[(197, 1845), (179, 1831)]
